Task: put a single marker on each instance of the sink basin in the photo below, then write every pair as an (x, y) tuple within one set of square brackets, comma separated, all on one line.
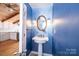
[(40, 39)]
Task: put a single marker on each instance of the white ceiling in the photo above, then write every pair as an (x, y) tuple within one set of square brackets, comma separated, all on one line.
[(39, 5)]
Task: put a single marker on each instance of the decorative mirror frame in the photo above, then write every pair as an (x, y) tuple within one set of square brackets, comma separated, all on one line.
[(38, 22)]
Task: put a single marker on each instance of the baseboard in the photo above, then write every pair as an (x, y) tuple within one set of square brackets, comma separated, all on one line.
[(45, 54), (24, 51)]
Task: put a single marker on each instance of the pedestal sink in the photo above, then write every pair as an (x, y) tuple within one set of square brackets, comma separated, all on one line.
[(40, 39)]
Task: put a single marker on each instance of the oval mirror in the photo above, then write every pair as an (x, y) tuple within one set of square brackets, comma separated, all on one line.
[(41, 23)]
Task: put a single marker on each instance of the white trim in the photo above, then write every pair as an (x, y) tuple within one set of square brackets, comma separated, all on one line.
[(45, 54), (24, 16), (20, 29), (25, 51)]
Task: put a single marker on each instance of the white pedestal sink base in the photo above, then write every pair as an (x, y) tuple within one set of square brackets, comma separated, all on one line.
[(39, 49), (40, 40)]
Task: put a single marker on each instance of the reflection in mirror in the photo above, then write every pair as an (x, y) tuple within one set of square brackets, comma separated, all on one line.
[(41, 23)]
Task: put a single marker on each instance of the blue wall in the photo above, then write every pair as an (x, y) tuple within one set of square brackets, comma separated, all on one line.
[(29, 30), (65, 40), (66, 37), (47, 12)]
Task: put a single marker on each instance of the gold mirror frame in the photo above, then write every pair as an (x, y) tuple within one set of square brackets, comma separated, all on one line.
[(38, 23)]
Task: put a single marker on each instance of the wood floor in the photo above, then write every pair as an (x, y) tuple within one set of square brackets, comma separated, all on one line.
[(9, 47)]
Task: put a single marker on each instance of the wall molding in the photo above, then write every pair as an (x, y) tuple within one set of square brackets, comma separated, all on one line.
[(45, 54), (24, 51)]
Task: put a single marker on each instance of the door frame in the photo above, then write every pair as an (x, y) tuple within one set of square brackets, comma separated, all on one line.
[(22, 30)]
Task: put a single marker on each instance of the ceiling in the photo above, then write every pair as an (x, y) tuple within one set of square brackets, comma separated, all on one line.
[(39, 5), (9, 12)]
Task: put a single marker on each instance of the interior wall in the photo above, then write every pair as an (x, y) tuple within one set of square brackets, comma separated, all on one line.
[(8, 31), (4, 36), (66, 21), (13, 36), (64, 32), (8, 35), (28, 28), (8, 27), (45, 10)]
